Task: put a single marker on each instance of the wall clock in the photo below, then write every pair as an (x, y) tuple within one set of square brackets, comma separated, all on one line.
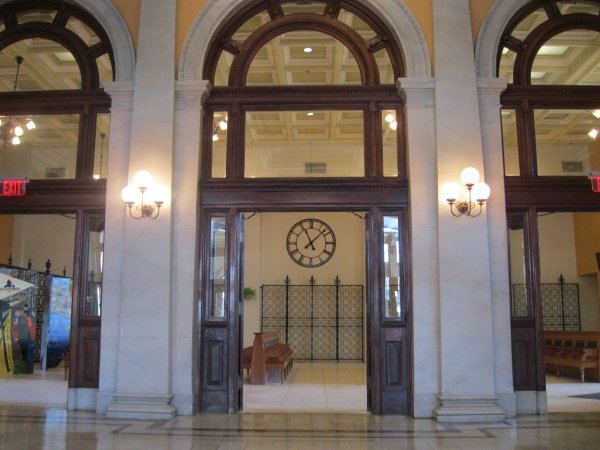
[(310, 242)]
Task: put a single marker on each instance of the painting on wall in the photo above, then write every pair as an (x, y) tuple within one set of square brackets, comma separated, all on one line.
[(56, 333), (18, 303)]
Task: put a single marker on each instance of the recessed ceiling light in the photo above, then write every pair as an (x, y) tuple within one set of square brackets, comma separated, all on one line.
[(307, 49), (310, 113), (596, 113)]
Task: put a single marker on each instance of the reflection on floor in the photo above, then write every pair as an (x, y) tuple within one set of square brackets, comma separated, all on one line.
[(560, 393), (325, 386), (42, 388)]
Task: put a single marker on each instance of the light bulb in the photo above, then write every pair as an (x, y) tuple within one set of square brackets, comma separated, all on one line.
[(469, 175), (16, 140), (18, 131), (593, 133), (389, 118), (394, 125), (596, 113), (481, 192), (30, 124), (129, 194), (450, 191), (308, 49), (96, 176), (215, 137), (223, 125), (142, 179)]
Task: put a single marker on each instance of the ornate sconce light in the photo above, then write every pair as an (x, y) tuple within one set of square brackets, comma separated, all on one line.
[(478, 194), (143, 197)]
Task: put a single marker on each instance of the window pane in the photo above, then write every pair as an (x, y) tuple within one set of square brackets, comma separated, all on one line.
[(384, 65), (223, 67), (303, 58), (357, 24), (510, 142), (101, 149), (390, 143), (516, 241), (507, 63), (47, 151), (391, 271), (85, 33), (93, 302), (522, 30), (281, 144), (46, 16), (219, 145), (217, 266), (562, 142), (105, 71), (295, 7), (581, 6), (570, 58), (250, 26), (46, 65)]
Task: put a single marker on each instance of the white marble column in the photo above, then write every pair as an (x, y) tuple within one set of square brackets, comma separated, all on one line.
[(144, 384), (489, 90), (466, 323), (419, 110), (121, 94), (188, 119)]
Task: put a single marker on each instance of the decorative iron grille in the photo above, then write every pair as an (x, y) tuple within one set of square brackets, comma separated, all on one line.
[(560, 305), (320, 322)]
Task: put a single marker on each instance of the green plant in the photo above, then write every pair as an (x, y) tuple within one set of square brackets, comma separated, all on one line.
[(249, 292)]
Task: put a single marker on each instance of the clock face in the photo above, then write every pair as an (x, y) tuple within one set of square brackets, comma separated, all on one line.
[(310, 243)]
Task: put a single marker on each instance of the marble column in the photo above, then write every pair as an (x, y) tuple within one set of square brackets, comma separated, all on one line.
[(466, 323), (418, 96), (489, 91), (143, 372), (189, 97)]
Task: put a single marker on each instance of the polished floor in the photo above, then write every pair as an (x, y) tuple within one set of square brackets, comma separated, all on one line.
[(33, 417)]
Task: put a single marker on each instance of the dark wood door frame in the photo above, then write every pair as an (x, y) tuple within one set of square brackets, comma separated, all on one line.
[(220, 346)]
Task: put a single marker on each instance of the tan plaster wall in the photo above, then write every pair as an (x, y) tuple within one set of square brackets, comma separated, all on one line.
[(188, 10), (6, 237)]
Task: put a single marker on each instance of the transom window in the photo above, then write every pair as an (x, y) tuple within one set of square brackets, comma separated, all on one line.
[(303, 91)]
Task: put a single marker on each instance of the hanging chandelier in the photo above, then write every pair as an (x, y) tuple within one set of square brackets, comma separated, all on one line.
[(10, 129)]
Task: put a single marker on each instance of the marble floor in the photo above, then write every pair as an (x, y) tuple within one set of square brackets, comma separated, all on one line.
[(32, 416)]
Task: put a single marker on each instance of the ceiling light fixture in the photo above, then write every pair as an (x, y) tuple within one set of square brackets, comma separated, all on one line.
[(308, 49), (221, 125), (10, 130), (593, 133)]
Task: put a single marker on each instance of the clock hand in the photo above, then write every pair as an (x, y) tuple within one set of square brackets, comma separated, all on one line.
[(310, 241)]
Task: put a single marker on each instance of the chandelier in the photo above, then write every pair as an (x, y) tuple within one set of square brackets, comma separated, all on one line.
[(10, 128)]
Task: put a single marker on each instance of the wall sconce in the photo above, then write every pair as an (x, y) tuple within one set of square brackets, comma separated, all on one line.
[(477, 191), (144, 197)]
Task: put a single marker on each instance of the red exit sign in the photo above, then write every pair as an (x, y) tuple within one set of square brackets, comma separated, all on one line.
[(13, 187)]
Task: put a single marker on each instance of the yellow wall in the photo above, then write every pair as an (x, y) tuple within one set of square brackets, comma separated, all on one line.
[(587, 242), (6, 237), (188, 10)]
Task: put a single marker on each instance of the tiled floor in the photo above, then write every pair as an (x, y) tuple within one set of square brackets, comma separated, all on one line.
[(25, 424), (311, 387)]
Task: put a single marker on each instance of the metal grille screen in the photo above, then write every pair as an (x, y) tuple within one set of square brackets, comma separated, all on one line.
[(318, 321), (560, 305)]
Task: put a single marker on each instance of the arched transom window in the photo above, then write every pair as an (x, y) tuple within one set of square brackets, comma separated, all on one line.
[(303, 89)]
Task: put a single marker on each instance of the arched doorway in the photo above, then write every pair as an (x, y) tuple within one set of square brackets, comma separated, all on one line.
[(304, 116)]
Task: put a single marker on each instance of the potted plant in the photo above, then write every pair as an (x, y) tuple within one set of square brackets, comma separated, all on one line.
[(249, 293)]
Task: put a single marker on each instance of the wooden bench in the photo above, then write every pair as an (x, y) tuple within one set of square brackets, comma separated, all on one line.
[(267, 353), (571, 350)]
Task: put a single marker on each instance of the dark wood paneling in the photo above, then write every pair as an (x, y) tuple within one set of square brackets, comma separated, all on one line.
[(394, 363), (524, 358), (215, 363), (44, 196), (551, 194), (85, 368)]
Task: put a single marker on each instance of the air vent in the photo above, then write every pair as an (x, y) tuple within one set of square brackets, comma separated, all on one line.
[(313, 168), (55, 172), (572, 166)]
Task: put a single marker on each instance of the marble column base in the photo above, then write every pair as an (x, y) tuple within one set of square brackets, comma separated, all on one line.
[(468, 409), (141, 406)]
